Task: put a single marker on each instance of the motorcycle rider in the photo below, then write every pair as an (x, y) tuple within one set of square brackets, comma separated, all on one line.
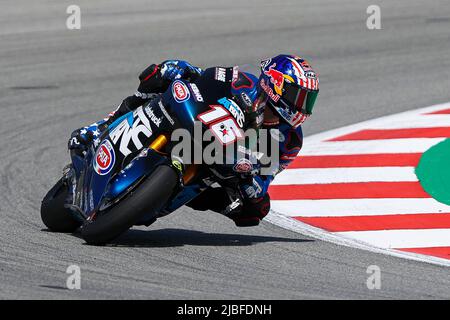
[(281, 98)]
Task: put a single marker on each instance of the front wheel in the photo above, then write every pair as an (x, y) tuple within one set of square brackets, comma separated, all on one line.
[(53, 214), (148, 197)]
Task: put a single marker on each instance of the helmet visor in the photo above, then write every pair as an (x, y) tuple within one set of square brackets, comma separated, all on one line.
[(299, 99)]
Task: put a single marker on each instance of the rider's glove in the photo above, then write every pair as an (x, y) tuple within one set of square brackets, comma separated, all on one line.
[(156, 78), (177, 69), (171, 71)]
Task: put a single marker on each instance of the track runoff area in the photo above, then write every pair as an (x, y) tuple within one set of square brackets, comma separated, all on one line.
[(381, 185)]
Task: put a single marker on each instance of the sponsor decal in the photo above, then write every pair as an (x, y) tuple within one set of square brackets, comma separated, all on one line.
[(177, 165), (276, 77), (91, 200), (130, 130), (142, 95), (234, 109), (243, 166), (221, 74), (265, 63), (180, 91), (149, 111), (311, 75), (74, 141), (197, 95), (235, 73), (246, 99), (164, 111), (288, 116), (269, 91), (104, 159), (222, 124), (253, 191), (294, 119)]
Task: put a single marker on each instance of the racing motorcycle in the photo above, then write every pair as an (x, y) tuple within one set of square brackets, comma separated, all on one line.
[(128, 177)]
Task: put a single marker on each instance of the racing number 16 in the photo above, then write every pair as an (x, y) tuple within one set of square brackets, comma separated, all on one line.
[(222, 125)]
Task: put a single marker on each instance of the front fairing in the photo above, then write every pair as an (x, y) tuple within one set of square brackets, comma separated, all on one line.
[(118, 160)]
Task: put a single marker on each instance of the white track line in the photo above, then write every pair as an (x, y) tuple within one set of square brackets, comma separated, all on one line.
[(282, 221), (428, 121), (423, 238), (415, 145), (345, 175), (357, 207)]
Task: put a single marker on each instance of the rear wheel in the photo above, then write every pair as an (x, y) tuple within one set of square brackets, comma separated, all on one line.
[(147, 198), (53, 214)]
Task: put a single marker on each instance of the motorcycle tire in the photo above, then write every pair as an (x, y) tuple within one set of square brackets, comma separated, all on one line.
[(148, 197), (54, 215)]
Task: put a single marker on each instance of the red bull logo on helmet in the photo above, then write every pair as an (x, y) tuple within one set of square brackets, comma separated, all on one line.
[(269, 91), (276, 77)]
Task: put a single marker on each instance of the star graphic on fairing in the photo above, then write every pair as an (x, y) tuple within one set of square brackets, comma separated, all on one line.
[(224, 130), (83, 131), (96, 142), (96, 133)]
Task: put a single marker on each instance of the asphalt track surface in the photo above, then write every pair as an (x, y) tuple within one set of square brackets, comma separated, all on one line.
[(54, 80)]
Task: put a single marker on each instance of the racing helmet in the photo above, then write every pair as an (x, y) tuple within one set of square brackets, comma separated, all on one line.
[(291, 85)]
